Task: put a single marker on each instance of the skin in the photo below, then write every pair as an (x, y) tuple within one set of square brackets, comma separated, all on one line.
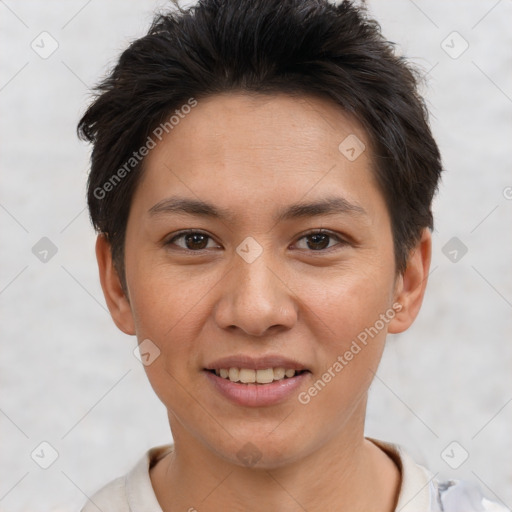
[(254, 155)]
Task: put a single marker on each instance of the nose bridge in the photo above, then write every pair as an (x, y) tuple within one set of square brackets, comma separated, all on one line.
[(256, 281), (254, 297)]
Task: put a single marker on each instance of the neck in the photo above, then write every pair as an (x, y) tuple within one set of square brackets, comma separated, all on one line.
[(347, 473)]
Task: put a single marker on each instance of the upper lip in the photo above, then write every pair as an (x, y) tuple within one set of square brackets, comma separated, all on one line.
[(256, 363)]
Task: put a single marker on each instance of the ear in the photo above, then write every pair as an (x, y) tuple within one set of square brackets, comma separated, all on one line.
[(410, 286), (117, 302)]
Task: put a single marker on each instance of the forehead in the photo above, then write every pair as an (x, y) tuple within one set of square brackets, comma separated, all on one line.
[(269, 126), (260, 148)]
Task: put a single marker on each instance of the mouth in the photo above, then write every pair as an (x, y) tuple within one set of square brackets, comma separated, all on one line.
[(256, 382)]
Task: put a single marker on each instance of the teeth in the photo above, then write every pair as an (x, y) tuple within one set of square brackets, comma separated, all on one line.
[(264, 376), (248, 376), (279, 373), (234, 374)]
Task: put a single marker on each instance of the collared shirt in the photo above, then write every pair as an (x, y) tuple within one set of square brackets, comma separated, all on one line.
[(420, 491)]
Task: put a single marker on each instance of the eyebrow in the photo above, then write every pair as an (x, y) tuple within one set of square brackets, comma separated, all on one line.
[(327, 206)]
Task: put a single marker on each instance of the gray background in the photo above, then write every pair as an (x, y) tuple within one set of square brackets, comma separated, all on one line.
[(69, 377)]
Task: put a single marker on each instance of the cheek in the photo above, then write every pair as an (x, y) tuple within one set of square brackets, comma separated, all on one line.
[(349, 355), (170, 307), (352, 313), (347, 302), (167, 298)]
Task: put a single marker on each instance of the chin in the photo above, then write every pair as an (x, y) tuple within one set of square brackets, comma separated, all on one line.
[(258, 451)]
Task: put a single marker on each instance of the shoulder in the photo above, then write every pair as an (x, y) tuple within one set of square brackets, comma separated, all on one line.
[(110, 497), (132, 492), (455, 495), (420, 490)]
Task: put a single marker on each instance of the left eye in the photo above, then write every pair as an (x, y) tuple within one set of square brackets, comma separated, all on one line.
[(319, 240)]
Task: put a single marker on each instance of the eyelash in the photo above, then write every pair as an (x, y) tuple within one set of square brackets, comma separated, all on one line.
[(342, 242)]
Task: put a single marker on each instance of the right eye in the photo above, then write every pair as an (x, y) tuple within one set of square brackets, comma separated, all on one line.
[(193, 241)]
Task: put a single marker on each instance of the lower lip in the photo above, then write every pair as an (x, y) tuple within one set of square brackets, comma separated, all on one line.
[(257, 395)]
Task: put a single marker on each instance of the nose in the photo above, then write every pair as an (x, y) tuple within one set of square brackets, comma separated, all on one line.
[(255, 299)]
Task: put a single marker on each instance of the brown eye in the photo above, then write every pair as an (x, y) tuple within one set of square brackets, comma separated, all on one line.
[(196, 241), (192, 240), (320, 240)]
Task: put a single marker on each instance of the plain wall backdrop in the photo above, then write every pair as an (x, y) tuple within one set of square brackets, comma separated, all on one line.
[(69, 378)]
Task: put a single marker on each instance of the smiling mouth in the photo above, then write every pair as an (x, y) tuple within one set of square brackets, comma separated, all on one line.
[(250, 376)]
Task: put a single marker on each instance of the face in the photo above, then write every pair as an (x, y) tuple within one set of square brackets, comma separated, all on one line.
[(285, 273)]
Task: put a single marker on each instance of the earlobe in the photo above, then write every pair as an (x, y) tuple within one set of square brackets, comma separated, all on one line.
[(117, 302), (411, 284)]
